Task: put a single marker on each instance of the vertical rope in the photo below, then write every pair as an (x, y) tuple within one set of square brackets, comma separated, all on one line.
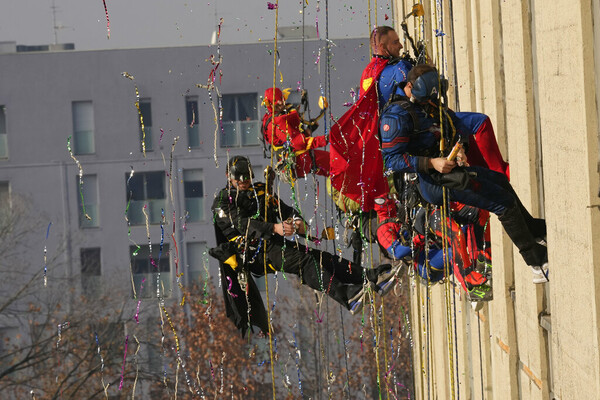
[(345, 354), (430, 375), (370, 26), (480, 356), (385, 357), (328, 95), (303, 38), (419, 329), (267, 200), (445, 212)]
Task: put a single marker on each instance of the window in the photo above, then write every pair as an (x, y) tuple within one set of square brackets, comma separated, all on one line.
[(197, 261), (155, 362), (193, 131), (3, 135), (146, 111), (87, 196), (5, 214), (83, 127), (4, 197), (145, 189), (91, 271), (194, 195), (241, 126), (151, 272)]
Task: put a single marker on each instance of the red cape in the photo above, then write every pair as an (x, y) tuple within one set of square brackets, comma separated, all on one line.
[(356, 164)]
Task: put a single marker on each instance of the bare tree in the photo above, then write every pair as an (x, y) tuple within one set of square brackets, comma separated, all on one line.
[(93, 348)]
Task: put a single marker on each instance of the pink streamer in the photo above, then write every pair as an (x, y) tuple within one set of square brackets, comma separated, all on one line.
[(124, 358), (107, 20), (230, 286)]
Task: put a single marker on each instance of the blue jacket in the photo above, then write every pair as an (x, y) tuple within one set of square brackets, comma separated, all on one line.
[(406, 147), (392, 75)]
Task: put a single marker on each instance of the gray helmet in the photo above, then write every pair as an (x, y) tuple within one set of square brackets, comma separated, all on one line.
[(239, 168)]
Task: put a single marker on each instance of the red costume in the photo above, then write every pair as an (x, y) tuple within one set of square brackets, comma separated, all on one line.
[(286, 127), (356, 162)]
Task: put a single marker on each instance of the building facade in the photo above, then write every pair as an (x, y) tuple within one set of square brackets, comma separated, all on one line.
[(86, 101), (116, 155)]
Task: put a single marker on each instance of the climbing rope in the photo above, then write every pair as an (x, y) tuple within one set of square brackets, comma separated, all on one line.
[(267, 201), (446, 236)]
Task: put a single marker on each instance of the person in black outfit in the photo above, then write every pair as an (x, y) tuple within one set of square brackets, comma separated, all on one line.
[(247, 231)]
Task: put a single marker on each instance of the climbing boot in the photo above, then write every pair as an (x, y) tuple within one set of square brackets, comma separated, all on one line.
[(480, 293), (540, 273), (484, 266), (355, 303), (387, 279)]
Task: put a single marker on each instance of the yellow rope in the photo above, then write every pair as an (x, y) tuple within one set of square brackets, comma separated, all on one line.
[(375, 318), (430, 363), (267, 200), (444, 220)]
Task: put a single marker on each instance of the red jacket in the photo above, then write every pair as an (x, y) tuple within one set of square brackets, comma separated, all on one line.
[(287, 127)]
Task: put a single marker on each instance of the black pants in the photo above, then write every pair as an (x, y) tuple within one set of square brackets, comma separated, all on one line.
[(340, 279)]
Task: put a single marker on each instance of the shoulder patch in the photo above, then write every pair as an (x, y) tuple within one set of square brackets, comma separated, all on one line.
[(389, 125)]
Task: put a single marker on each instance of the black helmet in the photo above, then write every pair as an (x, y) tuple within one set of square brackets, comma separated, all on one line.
[(239, 168)]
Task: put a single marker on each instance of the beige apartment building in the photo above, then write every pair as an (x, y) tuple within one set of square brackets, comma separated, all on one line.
[(533, 67)]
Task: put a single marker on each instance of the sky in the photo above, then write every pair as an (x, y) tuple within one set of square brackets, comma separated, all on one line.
[(160, 23)]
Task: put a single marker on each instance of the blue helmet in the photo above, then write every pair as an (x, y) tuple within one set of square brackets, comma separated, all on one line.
[(426, 87)]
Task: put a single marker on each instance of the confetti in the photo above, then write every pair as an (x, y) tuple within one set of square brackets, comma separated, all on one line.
[(61, 327), (137, 106), (107, 20), (124, 359), (80, 178), (45, 254), (229, 288)]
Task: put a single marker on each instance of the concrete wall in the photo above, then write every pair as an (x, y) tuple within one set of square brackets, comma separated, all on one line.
[(532, 66)]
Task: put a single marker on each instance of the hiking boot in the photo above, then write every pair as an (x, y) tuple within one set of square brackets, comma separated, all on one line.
[(387, 279), (540, 274), (480, 293), (483, 266), (355, 304)]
